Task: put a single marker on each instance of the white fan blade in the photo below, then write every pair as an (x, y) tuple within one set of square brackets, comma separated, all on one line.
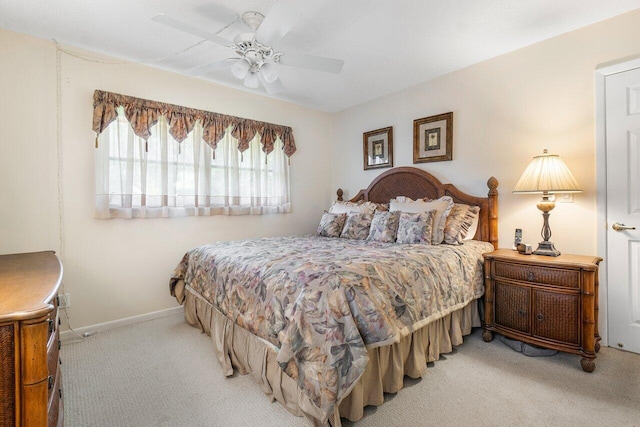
[(221, 15), (181, 26), (272, 88), (312, 62), (207, 68), (280, 20)]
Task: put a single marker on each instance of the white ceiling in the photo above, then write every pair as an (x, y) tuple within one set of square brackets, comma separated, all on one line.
[(387, 45)]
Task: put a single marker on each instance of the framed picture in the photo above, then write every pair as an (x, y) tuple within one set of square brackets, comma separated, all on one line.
[(433, 138), (377, 147)]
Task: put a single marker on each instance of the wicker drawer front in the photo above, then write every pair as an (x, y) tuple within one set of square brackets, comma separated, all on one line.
[(7, 375), (512, 306), (534, 274), (556, 316)]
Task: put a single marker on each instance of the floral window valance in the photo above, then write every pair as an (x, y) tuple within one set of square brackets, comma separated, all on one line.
[(143, 114)]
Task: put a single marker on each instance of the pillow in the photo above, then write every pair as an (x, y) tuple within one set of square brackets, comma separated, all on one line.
[(331, 224), (384, 227), (357, 226), (473, 228), (415, 227), (348, 207), (459, 222), (442, 206), (381, 206)]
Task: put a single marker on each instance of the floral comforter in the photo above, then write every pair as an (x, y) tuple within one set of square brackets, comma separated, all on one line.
[(321, 301)]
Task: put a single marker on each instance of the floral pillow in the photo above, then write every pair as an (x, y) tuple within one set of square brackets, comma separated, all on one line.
[(348, 207), (442, 206), (384, 227), (459, 223), (415, 227), (357, 226), (331, 224)]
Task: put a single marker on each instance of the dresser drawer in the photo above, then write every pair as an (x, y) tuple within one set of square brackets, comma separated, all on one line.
[(53, 357), (34, 347), (55, 403), (534, 274)]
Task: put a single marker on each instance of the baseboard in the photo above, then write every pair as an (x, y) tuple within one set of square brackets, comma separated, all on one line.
[(87, 331)]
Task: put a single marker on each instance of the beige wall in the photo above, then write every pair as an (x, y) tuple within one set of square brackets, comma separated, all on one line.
[(506, 110), (28, 167), (120, 268)]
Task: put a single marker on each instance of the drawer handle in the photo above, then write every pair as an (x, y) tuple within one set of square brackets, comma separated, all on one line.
[(530, 276), (540, 317), (522, 313), (60, 391), (59, 344), (50, 379)]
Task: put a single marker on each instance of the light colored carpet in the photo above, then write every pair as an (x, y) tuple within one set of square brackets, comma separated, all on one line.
[(163, 373)]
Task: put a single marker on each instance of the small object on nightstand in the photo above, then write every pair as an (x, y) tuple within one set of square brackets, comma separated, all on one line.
[(517, 239), (550, 302), (524, 249)]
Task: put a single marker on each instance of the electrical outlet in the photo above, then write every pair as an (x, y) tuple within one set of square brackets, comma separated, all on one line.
[(566, 198), (64, 300)]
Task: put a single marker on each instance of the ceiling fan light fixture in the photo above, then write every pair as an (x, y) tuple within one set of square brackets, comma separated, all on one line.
[(240, 69), (251, 81), (269, 73)]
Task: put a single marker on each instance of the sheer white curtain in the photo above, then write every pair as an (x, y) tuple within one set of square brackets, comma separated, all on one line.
[(164, 178)]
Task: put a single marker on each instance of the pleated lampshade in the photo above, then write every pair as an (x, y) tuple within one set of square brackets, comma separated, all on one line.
[(547, 174)]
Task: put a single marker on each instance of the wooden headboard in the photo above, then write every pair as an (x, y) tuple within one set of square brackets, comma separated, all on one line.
[(417, 184)]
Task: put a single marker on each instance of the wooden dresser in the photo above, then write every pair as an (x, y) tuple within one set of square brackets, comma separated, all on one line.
[(30, 375), (547, 301)]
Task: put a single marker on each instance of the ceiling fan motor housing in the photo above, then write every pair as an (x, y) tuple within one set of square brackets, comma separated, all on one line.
[(252, 19)]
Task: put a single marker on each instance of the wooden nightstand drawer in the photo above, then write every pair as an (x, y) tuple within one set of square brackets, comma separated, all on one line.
[(556, 316), (535, 274), (512, 307)]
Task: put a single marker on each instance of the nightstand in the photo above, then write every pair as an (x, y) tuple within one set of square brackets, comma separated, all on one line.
[(546, 301)]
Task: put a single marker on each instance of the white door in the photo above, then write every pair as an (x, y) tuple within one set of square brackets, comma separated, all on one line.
[(623, 208)]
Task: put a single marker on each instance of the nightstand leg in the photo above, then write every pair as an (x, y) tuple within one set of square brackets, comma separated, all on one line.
[(597, 346), (588, 365), (487, 336)]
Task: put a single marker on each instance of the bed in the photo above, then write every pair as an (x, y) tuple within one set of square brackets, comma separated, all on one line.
[(326, 326)]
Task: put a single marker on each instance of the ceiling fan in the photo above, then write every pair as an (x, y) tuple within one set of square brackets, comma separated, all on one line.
[(256, 61)]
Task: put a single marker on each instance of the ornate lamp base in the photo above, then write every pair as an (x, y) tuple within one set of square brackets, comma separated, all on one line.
[(547, 249)]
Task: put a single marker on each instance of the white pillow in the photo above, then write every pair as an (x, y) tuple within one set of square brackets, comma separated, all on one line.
[(442, 206), (349, 207)]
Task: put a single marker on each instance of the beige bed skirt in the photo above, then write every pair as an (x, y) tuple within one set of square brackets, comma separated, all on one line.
[(237, 348)]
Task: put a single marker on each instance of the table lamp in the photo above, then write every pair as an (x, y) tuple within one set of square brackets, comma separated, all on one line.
[(546, 174)]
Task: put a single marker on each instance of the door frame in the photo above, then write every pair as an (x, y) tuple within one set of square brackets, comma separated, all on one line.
[(601, 73)]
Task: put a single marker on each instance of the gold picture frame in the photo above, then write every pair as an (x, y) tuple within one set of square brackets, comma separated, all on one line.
[(377, 148), (433, 138)]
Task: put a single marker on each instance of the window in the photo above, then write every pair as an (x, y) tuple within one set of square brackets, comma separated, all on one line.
[(161, 177)]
